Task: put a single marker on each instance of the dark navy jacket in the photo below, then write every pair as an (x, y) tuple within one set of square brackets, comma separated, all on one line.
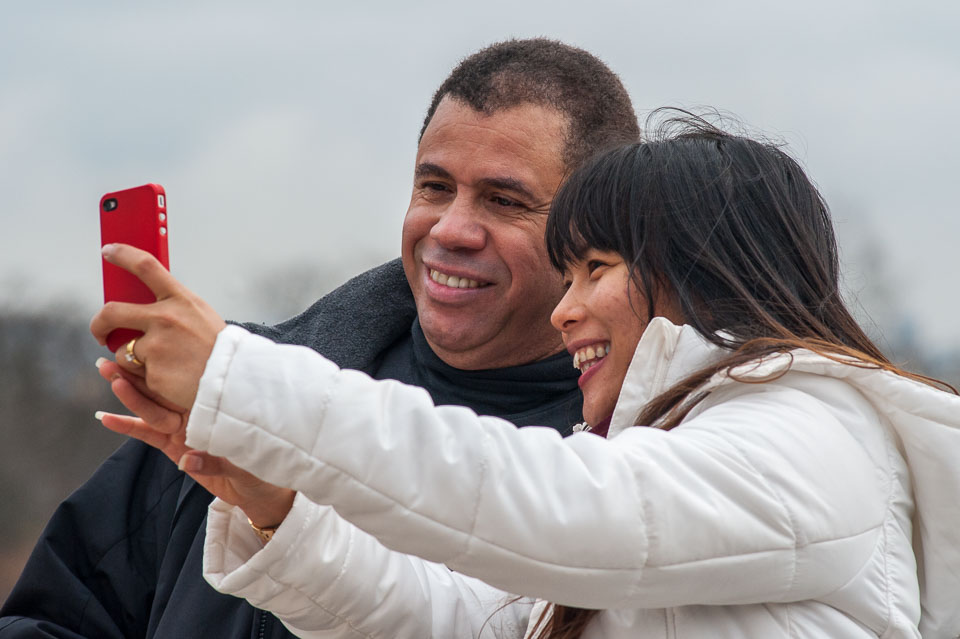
[(122, 556)]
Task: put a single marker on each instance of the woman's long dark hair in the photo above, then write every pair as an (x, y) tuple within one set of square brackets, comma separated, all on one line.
[(731, 228)]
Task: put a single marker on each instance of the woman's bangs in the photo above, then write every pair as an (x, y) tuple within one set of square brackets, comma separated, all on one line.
[(583, 215)]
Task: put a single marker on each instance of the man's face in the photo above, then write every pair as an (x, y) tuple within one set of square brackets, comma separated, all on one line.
[(473, 247)]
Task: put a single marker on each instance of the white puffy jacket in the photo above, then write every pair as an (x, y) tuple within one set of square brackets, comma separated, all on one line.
[(823, 503)]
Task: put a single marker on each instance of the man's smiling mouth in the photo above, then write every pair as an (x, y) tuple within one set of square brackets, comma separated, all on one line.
[(452, 281)]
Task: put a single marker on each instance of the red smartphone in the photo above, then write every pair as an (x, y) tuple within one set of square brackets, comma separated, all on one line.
[(138, 217)]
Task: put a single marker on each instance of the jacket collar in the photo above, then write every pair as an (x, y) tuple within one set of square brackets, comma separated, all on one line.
[(665, 355)]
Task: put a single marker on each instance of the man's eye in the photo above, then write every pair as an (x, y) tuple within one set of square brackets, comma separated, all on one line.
[(434, 186), (499, 200)]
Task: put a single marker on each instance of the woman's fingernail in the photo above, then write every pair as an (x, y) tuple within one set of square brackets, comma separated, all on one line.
[(99, 415), (107, 250), (100, 362), (190, 463)]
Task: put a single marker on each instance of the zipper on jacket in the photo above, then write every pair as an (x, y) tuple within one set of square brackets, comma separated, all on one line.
[(262, 632)]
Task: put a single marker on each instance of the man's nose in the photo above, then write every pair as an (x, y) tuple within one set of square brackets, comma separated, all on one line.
[(460, 226)]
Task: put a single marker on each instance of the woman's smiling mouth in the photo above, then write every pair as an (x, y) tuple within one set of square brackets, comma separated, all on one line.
[(588, 356)]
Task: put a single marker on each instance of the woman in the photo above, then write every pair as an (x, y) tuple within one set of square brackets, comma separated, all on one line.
[(785, 479)]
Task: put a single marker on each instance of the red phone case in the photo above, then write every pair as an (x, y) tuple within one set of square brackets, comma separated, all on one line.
[(138, 217)]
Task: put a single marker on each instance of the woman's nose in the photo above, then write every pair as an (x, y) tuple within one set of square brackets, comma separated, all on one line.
[(567, 312)]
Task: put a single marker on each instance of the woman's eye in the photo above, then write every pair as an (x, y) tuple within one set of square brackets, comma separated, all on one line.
[(593, 265)]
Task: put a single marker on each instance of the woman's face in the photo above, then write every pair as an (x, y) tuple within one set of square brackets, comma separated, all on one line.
[(601, 327)]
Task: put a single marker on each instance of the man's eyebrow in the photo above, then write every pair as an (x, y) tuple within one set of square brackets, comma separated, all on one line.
[(427, 169)]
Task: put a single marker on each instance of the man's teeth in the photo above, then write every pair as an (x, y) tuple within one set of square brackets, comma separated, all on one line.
[(584, 358), (452, 280)]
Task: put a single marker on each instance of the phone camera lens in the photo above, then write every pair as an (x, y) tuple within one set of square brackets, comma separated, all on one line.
[(109, 205)]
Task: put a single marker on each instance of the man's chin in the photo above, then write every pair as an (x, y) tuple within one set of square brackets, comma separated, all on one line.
[(451, 336), (457, 337)]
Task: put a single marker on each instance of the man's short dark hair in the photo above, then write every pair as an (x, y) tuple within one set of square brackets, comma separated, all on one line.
[(550, 74)]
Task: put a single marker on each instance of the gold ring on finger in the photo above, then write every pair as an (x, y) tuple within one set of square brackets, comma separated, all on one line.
[(130, 356)]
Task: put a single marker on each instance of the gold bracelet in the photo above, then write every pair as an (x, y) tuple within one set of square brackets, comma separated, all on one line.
[(264, 533)]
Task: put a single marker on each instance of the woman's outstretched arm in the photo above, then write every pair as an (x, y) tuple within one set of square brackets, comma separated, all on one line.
[(739, 505)]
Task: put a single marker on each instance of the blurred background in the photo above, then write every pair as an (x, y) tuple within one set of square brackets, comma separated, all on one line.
[(285, 136)]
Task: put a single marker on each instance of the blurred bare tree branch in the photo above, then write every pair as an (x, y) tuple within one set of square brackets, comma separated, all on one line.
[(49, 390)]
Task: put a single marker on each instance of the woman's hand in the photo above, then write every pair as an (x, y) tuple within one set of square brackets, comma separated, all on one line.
[(179, 328), (163, 426)]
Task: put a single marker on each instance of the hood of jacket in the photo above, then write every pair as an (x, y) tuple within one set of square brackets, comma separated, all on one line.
[(926, 421)]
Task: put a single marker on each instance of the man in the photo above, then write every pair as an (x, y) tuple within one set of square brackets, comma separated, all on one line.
[(464, 314)]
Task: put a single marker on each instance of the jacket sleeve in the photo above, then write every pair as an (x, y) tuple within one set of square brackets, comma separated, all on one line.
[(745, 503), (323, 577), (92, 573)]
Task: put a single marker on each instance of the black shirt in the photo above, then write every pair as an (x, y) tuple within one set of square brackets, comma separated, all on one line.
[(542, 393)]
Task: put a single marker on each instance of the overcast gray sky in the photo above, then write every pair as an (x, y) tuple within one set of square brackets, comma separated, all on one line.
[(285, 132)]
